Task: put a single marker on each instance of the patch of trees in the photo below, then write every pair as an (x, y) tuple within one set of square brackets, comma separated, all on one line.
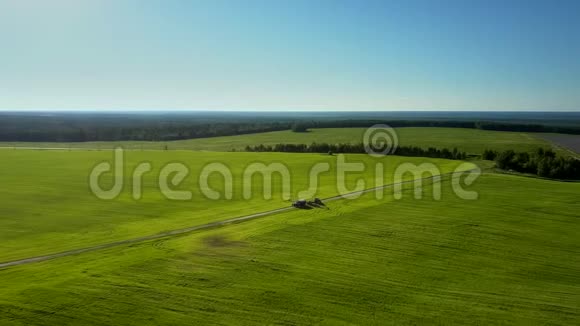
[(299, 127), (359, 148), (498, 126), (543, 163)]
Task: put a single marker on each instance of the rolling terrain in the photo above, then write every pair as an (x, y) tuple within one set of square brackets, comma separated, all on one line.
[(506, 258)]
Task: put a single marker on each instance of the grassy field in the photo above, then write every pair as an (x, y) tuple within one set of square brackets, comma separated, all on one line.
[(46, 205), (473, 141), (509, 257)]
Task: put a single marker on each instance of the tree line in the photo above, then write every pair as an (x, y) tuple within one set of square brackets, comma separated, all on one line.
[(140, 133), (543, 163), (101, 127), (482, 125), (359, 148)]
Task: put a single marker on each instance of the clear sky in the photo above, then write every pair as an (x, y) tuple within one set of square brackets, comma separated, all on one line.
[(299, 55)]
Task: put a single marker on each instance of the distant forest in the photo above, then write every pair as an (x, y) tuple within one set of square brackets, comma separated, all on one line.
[(160, 127)]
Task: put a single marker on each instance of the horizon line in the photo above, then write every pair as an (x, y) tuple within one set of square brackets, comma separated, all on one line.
[(160, 110)]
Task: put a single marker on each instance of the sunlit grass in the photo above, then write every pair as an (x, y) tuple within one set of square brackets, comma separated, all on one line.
[(507, 258)]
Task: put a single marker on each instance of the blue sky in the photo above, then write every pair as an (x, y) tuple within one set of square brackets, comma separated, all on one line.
[(292, 55)]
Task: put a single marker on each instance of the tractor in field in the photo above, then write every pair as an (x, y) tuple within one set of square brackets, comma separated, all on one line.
[(301, 203)]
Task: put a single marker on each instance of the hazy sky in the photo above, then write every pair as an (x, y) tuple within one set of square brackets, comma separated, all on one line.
[(267, 55)]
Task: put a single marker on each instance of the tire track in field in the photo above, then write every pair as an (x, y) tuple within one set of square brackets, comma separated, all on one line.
[(211, 225)]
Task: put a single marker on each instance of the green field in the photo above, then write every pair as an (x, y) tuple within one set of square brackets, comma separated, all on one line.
[(472, 141), (46, 204), (509, 257)]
